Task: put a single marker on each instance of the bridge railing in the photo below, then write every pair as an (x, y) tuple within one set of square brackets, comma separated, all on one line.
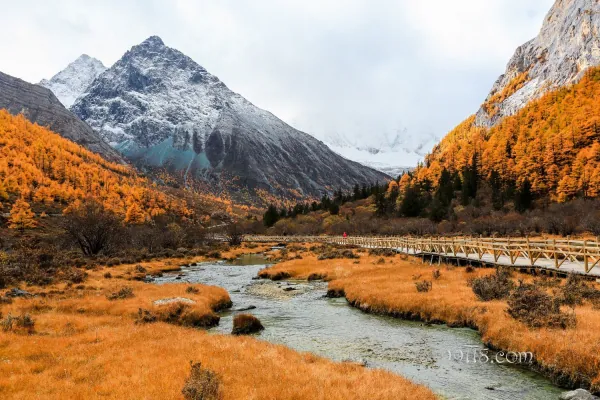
[(578, 255)]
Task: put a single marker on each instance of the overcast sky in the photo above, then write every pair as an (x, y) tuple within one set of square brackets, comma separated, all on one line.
[(357, 68)]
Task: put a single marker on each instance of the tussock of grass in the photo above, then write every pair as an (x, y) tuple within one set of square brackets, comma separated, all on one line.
[(23, 323), (202, 384), (423, 286), (121, 294), (178, 314), (245, 324)]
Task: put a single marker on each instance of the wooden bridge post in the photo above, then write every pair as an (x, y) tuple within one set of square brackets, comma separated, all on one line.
[(529, 251), (555, 255), (585, 257)]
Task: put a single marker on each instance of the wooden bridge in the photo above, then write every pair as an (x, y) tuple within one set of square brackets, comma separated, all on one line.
[(552, 256)]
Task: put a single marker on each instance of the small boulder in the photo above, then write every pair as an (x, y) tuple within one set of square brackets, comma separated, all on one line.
[(246, 324), (16, 292), (579, 394)]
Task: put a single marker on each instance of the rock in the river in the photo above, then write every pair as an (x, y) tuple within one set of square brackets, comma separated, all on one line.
[(579, 394)]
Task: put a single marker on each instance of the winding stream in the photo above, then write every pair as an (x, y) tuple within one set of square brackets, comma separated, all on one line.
[(305, 320)]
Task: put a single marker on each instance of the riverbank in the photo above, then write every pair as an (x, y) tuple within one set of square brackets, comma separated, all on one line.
[(91, 340), (386, 285)]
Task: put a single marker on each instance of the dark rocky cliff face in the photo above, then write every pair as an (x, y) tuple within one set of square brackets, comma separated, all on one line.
[(39, 105), (161, 109)]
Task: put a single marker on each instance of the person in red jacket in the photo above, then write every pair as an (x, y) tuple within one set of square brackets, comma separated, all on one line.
[(345, 235)]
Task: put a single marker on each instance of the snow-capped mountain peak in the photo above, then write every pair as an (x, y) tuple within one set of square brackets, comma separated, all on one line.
[(161, 109), (72, 81)]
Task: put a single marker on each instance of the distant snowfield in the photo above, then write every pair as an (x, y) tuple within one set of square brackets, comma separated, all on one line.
[(392, 163), (392, 155)]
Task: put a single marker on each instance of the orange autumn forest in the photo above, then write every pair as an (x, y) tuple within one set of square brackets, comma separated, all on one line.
[(39, 166), (553, 142)]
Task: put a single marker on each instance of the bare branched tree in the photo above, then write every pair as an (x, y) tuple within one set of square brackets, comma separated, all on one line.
[(94, 228), (234, 234)]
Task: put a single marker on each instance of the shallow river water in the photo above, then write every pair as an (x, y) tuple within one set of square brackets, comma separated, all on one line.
[(305, 320)]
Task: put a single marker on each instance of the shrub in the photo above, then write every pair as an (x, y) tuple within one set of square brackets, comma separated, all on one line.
[(145, 317), (469, 269), (546, 282), (380, 261), (245, 324), (122, 294), (382, 252), (493, 287), (23, 322), (107, 275), (192, 290), (337, 253), (202, 384), (113, 262), (538, 309), (423, 286), (436, 273), (140, 269), (575, 290), (75, 276)]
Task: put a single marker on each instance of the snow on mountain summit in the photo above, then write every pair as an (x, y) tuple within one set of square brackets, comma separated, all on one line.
[(71, 82), (161, 109), (389, 153)]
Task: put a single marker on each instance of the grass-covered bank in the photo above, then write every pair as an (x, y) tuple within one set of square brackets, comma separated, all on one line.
[(90, 340), (387, 284)]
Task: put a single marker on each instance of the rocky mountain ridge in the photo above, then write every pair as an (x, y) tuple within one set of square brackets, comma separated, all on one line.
[(159, 108), (568, 43), (41, 106)]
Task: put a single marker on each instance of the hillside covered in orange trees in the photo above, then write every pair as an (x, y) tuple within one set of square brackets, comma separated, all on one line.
[(39, 166), (553, 142)]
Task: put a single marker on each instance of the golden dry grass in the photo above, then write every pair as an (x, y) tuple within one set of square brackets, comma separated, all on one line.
[(390, 289), (86, 346)]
